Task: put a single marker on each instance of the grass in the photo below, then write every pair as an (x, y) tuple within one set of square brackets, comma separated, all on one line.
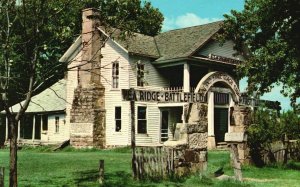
[(70, 167)]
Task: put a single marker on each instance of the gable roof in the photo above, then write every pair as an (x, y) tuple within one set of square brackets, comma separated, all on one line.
[(50, 100), (183, 42), (167, 45)]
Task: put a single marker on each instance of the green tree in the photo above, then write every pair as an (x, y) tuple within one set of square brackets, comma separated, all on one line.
[(33, 36), (266, 32)]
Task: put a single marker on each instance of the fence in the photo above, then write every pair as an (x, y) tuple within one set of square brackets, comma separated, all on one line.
[(154, 162), (283, 152)]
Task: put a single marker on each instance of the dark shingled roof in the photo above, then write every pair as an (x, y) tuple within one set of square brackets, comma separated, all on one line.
[(171, 44), (183, 42)]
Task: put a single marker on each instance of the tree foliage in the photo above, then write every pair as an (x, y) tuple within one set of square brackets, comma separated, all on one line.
[(44, 30), (267, 33), (33, 36)]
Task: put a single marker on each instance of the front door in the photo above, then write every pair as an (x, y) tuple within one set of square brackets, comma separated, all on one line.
[(221, 123), (164, 126)]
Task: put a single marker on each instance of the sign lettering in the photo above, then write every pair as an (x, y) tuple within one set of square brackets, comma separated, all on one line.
[(162, 96)]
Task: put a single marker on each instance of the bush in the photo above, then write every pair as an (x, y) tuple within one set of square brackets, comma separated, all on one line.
[(267, 127)]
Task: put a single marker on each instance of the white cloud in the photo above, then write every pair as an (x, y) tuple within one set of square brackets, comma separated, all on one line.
[(186, 20)]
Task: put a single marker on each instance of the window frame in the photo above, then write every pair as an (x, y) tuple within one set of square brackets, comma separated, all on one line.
[(115, 75), (142, 119), (140, 74), (56, 124), (118, 119)]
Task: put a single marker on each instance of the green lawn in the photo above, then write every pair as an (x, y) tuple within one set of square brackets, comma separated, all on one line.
[(80, 168)]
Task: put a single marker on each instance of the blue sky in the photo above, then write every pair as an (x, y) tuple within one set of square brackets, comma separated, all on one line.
[(185, 13)]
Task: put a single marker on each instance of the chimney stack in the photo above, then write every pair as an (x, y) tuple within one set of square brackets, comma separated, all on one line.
[(91, 50)]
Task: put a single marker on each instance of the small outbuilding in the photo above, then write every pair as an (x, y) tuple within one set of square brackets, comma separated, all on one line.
[(44, 121)]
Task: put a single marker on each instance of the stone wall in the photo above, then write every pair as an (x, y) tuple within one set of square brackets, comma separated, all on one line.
[(88, 117), (239, 122), (190, 142)]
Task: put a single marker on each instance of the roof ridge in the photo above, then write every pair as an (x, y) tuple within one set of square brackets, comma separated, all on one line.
[(215, 22)]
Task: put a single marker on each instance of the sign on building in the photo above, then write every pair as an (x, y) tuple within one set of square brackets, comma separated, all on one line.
[(162, 96)]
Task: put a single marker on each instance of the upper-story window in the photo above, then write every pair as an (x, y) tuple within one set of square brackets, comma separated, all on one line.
[(140, 74), (115, 74)]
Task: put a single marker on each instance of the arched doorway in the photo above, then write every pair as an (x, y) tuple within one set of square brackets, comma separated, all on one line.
[(222, 94)]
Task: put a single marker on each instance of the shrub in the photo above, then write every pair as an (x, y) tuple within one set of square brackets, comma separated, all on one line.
[(267, 127)]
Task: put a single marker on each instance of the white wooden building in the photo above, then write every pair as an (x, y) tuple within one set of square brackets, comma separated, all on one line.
[(177, 62), (44, 121), (173, 61)]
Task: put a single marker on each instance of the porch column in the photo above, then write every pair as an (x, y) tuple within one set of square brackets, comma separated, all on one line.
[(210, 114), (6, 128), (211, 141), (19, 127), (186, 77), (33, 128)]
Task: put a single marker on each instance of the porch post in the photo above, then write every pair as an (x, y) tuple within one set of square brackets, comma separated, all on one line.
[(19, 127), (186, 77), (6, 128), (210, 118), (210, 114), (33, 128)]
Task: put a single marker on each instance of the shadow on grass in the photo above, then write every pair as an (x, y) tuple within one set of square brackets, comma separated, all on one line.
[(122, 178), (86, 176), (293, 165), (118, 178)]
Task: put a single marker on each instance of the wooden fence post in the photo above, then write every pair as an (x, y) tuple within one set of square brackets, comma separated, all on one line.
[(101, 172), (132, 111), (236, 162), (1, 176)]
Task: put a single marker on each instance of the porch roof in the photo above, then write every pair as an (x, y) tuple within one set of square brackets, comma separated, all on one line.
[(50, 100)]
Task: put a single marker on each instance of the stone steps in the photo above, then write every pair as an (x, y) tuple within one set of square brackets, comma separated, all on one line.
[(222, 146)]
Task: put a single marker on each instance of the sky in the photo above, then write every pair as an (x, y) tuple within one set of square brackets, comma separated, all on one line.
[(185, 13)]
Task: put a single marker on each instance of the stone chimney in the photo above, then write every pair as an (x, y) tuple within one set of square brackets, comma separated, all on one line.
[(87, 119), (91, 49)]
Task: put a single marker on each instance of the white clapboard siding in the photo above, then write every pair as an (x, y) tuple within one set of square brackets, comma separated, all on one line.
[(113, 97), (153, 78), (63, 129), (226, 50), (72, 82)]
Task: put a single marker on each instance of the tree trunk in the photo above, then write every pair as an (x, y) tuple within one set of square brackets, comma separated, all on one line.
[(13, 180)]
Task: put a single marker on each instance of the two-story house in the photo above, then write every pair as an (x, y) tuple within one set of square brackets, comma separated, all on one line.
[(170, 64)]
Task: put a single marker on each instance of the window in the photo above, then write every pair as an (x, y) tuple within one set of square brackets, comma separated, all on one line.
[(45, 122), (140, 74), (142, 120), (56, 124), (118, 118), (221, 98), (115, 74)]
